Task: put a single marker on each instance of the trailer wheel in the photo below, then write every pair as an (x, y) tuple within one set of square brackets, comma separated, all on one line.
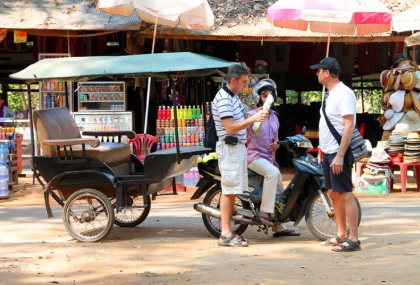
[(134, 213), (88, 215)]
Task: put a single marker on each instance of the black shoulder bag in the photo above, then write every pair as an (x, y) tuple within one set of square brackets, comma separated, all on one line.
[(357, 148)]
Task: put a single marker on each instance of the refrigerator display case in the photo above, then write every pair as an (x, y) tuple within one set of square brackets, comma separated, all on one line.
[(101, 96), (52, 93), (104, 121)]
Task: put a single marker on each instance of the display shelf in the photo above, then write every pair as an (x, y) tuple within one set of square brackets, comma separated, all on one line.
[(52, 92), (101, 96)]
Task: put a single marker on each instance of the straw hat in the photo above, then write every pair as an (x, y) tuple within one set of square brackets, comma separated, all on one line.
[(375, 178), (402, 127), (392, 117), (409, 80), (413, 138), (411, 118), (394, 78), (418, 80), (383, 78), (396, 100), (379, 155), (414, 97), (383, 144), (405, 64), (408, 102), (396, 139)]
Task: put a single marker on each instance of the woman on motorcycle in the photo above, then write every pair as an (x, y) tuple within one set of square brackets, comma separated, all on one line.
[(261, 151)]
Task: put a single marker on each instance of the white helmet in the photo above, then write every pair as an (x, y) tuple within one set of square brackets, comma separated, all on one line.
[(263, 84)]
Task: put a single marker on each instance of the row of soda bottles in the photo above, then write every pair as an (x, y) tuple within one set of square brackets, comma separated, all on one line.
[(181, 123), (51, 101), (181, 131), (183, 112), (184, 140)]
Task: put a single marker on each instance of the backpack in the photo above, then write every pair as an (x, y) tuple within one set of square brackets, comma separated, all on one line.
[(211, 137)]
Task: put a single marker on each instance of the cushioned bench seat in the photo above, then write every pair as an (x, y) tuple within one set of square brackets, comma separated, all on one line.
[(110, 153)]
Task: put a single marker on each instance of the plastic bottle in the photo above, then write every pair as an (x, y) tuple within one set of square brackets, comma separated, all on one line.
[(3, 154), (189, 114), (185, 112), (181, 113), (168, 113), (172, 113), (198, 112), (160, 112)]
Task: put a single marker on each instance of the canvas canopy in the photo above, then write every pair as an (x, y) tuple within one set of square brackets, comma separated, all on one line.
[(161, 65)]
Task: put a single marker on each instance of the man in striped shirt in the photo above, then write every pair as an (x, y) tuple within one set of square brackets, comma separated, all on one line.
[(231, 121)]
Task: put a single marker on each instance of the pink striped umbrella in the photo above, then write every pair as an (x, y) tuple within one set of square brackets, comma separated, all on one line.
[(349, 17)]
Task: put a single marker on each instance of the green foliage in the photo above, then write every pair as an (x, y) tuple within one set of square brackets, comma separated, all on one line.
[(14, 98), (371, 99), (370, 102)]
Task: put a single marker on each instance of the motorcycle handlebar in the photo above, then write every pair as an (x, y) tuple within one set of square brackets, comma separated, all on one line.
[(283, 143)]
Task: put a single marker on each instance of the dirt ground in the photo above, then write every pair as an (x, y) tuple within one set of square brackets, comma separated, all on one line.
[(173, 247)]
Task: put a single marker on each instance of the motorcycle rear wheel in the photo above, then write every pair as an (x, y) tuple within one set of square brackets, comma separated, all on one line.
[(321, 225), (213, 225)]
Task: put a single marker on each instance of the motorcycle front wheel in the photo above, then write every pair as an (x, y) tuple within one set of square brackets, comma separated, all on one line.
[(212, 224), (320, 224)]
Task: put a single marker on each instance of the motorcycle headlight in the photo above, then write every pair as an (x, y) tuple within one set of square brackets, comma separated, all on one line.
[(307, 145)]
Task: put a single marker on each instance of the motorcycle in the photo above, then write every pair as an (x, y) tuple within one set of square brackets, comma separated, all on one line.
[(305, 196)]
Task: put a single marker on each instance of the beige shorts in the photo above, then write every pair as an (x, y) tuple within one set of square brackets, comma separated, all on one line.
[(233, 167)]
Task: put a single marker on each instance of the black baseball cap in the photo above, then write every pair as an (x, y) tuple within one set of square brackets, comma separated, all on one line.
[(328, 63)]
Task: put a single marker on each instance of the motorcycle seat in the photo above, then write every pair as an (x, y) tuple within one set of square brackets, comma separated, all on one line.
[(251, 172), (256, 196)]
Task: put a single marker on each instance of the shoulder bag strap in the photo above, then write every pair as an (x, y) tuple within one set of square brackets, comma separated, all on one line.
[(330, 126)]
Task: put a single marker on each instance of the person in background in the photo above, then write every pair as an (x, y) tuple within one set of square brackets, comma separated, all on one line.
[(5, 112), (340, 108), (261, 151), (231, 121)]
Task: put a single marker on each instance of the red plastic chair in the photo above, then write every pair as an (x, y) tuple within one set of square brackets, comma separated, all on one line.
[(361, 128), (137, 145)]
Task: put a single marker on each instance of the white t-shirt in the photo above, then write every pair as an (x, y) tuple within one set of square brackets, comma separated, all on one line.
[(340, 102)]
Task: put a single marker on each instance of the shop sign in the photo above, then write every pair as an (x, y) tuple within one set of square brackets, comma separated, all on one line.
[(3, 34), (20, 37)]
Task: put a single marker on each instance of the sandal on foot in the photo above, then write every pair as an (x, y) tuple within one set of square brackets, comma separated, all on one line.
[(329, 242), (353, 246), (264, 220), (289, 233), (232, 241), (241, 238)]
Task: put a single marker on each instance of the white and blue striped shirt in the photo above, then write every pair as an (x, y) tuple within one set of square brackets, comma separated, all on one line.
[(226, 104)]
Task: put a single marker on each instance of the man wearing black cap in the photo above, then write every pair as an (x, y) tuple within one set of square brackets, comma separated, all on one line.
[(340, 109)]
